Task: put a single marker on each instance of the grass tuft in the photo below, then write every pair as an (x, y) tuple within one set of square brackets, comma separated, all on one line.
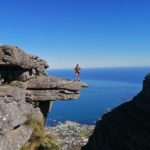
[(39, 140)]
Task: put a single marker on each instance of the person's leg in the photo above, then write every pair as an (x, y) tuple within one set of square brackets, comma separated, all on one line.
[(78, 77)]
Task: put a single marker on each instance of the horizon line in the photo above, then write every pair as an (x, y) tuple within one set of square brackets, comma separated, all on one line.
[(101, 67)]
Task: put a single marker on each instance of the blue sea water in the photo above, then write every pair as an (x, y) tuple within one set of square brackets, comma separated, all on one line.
[(108, 88)]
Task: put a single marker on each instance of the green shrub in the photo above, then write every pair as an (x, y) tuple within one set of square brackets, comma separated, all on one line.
[(49, 142), (85, 133)]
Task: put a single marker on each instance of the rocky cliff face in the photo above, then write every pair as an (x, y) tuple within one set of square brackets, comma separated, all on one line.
[(127, 127), (25, 89)]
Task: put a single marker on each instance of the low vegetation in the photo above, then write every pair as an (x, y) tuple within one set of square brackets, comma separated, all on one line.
[(85, 133), (39, 140)]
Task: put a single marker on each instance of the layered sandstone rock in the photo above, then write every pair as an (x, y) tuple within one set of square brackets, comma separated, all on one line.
[(26, 89), (14, 56), (51, 88)]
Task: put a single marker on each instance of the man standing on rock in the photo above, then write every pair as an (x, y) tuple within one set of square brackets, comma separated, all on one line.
[(77, 72)]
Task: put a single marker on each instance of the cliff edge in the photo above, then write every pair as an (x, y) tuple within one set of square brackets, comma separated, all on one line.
[(126, 127), (26, 90)]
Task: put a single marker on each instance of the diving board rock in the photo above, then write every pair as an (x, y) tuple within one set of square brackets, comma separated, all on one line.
[(52, 88), (51, 82)]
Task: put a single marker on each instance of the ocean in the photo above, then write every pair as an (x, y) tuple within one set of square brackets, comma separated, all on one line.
[(108, 88)]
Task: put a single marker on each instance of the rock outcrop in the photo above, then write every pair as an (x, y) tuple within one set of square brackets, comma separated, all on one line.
[(26, 89), (127, 127)]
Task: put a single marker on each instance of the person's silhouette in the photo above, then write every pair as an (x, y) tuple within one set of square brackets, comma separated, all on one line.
[(77, 72)]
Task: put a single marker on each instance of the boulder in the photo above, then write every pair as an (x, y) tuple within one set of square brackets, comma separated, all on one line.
[(15, 139), (13, 56)]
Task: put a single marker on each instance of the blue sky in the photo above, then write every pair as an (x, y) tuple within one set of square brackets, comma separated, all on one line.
[(93, 33)]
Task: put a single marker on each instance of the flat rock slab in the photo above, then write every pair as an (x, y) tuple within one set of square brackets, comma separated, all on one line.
[(50, 82), (47, 88)]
